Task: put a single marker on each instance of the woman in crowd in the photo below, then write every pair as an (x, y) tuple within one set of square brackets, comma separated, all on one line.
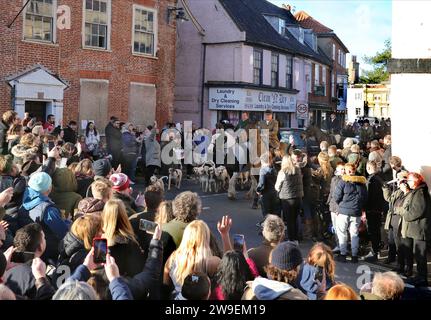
[(131, 149), (376, 153), (121, 239), (14, 134), (27, 148), (416, 214), (318, 273), (266, 186), (164, 213), (194, 254), (79, 240), (333, 206), (84, 174), (92, 140), (290, 188), (358, 160), (152, 149)]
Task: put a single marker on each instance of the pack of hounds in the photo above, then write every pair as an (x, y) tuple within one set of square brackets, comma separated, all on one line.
[(211, 179)]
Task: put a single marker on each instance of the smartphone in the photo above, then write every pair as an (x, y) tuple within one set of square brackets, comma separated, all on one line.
[(51, 145), (22, 256), (147, 225), (100, 246), (238, 242)]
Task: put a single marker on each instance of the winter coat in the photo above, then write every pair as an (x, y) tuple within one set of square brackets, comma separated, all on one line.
[(142, 236), (22, 153), (266, 289), (72, 251), (289, 186), (311, 281), (83, 183), (70, 135), (260, 256), (391, 196), (130, 145), (92, 140), (366, 134), (386, 167), (416, 213), (21, 281), (267, 179), (128, 255), (175, 228), (152, 147), (43, 211), (376, 201), (333, 206), (64, 191), (334, 160), (351, 195), (114, 139), (272, 127)]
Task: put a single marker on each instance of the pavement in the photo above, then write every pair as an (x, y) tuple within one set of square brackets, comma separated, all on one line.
[(216, 205)]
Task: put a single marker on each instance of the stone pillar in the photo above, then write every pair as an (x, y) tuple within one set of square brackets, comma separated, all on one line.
[(410, 70)]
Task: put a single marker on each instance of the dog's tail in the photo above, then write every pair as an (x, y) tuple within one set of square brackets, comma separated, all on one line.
[(165, 178)]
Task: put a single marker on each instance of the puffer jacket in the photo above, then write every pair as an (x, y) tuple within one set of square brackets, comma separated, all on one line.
[(416, 213), (351, 195), (72, 251), (290, 185)]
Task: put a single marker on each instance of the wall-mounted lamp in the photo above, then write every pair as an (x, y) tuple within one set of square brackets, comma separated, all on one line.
[(180, 14)]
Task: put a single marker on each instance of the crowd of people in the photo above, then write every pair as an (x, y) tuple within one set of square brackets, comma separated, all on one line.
[(61, 191)]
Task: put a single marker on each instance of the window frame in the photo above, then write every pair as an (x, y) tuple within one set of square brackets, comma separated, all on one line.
[(260, 52), (333, 51), (155, 30), (277, 83), (53, 26), (289, 60), (108, 27)]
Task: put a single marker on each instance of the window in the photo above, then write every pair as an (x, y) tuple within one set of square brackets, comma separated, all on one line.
[(289, 72), (316, 75), (324, 80), (284, 119), (257, 67), (333, 52), (144, 31), (333, 86), (301, 35), (274, 70), (358, 111), (281, 26), (39, 20), (308, 82), (97, 24)]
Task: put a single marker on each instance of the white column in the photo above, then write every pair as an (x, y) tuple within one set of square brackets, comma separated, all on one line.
[(410, 93)]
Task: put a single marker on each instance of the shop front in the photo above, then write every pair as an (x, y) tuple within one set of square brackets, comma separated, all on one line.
[(229, 103)]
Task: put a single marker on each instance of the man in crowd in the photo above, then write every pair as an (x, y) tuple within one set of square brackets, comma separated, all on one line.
[(272, 125), (334, 126), (70, 132), (8, 119), (114, 141), (49, 125)]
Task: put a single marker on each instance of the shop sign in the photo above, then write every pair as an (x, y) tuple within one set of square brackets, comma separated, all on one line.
[(302, 111), (240, 99)]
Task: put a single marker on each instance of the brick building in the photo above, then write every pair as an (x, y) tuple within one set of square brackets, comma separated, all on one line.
[(117, 57)]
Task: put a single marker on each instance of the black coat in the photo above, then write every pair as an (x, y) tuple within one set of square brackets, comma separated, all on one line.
[(375, 201), (113, 139), (70, 135), (128, 255), (72, 251), (386, 167), (3, 134), (83, 184), (142, 236)]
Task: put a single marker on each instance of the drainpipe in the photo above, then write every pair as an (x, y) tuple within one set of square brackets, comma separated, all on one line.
[(203, 84)]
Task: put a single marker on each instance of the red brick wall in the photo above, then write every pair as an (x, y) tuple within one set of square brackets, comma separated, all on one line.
[(67, 59)]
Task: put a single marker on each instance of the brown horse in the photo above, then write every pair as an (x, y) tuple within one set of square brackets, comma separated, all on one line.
[(314, 131)]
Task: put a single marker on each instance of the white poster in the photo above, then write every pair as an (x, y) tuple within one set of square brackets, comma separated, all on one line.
[(251, 99)]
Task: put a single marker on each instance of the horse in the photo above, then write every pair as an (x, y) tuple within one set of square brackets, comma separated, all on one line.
[(316, 132)]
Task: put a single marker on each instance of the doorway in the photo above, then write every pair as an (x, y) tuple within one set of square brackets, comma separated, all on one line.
[(36, 109)]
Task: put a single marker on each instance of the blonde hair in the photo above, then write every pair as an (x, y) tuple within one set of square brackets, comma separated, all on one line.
[(325, 165), (29, 140), (86, 228), (321, 255), (341, 292), (165, 213), (84, 167), (116, 222), (355, 148), (72, 166), (101, 189), (388, 285), (194, 251), (287, 165)]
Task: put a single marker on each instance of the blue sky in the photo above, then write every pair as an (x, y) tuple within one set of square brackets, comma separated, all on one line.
[(362, 25)]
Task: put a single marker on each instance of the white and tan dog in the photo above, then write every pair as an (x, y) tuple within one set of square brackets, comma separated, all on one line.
[(231, 192), (250, 193), (212, 184), (175, 175), (222, 177), (244, 177), (158, 182)]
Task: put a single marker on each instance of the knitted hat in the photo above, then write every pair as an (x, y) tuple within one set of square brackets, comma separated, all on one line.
[(40, 182), (120, 181), (286, 256), (90, 205), (102, 167)]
